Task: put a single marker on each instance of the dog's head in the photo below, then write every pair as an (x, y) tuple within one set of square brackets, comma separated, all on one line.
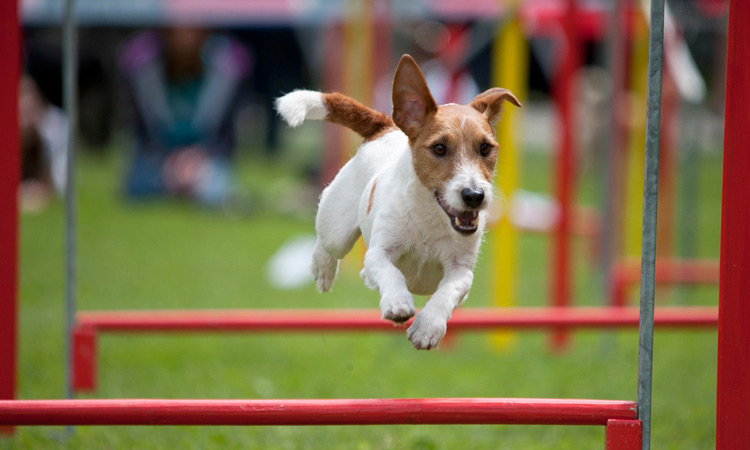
[(453, 147)]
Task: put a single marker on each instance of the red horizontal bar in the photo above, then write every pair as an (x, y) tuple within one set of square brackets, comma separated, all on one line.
[(469, 319), (683, 271), (315, 412)]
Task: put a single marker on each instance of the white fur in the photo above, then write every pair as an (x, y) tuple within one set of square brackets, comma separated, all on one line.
[(466, 176), (299, 105), (412, 248)]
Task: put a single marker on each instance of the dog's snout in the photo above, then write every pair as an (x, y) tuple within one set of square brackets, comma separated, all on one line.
[(472, 197)]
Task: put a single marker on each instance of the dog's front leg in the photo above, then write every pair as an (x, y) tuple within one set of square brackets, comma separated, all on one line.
[(430, 324), (379, 273)]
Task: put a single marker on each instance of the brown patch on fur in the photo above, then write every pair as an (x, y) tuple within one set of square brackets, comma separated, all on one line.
[(412, 102), (462, 130), (372, 196), (366, 122), (490, 103)]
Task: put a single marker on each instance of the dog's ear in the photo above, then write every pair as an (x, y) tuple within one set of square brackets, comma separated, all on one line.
[(490, 103), (412, 101)]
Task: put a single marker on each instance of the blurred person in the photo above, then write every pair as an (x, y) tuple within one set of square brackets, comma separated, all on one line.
[(43, 132), (184, 83)]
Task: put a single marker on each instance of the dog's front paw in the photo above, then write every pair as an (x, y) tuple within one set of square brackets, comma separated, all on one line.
[(397, 308), (427, 330)]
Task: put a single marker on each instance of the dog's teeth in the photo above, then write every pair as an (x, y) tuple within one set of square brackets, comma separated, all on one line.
[(475, 222), (457, 222)]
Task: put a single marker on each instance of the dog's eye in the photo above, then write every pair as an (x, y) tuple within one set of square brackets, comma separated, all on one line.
[(439, 149), (485, 149)]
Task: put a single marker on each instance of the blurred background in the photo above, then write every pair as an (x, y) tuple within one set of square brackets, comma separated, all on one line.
[(192, 194)]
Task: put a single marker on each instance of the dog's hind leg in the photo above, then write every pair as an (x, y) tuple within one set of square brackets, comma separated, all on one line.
[(324, 268), (337, 224)]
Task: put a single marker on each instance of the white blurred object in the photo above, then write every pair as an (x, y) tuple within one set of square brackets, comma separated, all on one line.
[(532, 211), (681, 64), (53, 129), (289, 267), (529, 211), (679, 60)]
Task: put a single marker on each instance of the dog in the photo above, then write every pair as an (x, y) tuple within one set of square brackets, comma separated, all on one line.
[(417, 191)]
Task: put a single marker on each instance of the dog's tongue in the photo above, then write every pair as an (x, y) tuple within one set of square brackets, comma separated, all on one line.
[(467, 217)]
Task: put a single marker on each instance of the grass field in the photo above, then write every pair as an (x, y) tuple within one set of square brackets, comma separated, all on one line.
[(172, 255)]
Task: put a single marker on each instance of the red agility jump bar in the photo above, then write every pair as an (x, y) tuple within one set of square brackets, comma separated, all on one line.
[(470, 319), (316, 412), (89, 324), (667, 271)]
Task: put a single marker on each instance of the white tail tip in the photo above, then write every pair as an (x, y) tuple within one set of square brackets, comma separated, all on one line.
[(299, 105)]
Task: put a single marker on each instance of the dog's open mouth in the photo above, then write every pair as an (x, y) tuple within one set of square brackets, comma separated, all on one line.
[(465, 222)]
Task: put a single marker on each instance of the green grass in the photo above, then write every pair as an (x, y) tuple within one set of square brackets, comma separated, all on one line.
[(172, 255)]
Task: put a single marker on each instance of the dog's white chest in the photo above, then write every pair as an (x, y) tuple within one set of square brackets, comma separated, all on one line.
[(422, 276)]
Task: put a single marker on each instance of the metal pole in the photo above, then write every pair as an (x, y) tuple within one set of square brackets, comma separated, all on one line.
[(70, 78), (650, 202)]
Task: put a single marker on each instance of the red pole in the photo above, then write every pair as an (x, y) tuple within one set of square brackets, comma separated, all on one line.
[(10, 167), (508, 411), (332, 82), (733, 389), (623, 435), (562, 275), (84, 359), (381, 53), (89, 323), (670, 111)]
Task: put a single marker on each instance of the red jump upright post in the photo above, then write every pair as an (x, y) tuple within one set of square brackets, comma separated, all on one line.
[(562, 273), (733, 389), (10, 167)]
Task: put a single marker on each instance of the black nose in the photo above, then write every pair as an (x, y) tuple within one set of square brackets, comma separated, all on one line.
[(472, 198)]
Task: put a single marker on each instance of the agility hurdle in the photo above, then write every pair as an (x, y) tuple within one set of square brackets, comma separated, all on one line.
[(623, 430), (91, 324), (443, 411)]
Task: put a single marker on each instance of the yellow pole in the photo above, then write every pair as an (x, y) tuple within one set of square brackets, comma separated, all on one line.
[(510, 55), (359, 29), (635, 158)]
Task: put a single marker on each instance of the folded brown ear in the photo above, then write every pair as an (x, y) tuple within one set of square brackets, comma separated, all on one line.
[(412, 101), (490, 103)]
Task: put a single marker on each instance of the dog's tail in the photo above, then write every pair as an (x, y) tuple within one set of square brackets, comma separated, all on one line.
[(337, 108)]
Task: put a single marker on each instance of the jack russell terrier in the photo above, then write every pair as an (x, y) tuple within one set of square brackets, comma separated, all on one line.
[(417, 191)]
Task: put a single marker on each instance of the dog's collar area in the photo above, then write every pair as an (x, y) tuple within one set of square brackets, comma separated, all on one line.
[(465, 222)]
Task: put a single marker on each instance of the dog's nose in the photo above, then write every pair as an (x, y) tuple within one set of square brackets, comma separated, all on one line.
[(472, 198)]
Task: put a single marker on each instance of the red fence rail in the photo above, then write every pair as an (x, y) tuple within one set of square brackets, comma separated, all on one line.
[(668, 271), (315, 412), (470, 319)]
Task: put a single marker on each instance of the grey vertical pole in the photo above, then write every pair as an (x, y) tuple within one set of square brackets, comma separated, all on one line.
[(650, 200), (70, 78)]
